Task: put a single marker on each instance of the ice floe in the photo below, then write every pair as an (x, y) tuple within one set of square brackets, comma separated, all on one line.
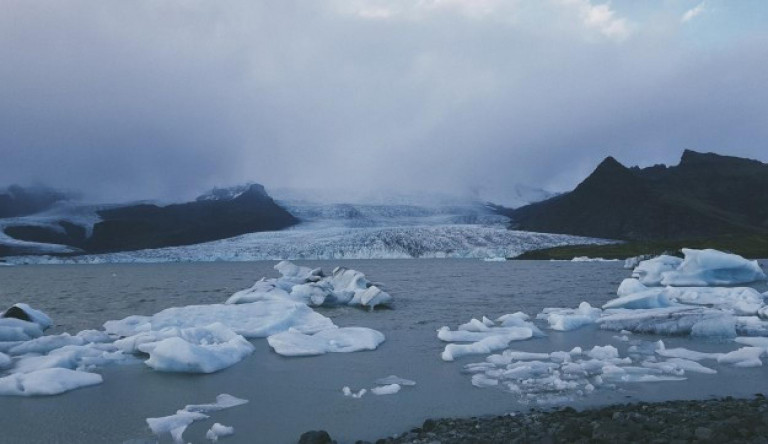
[(567, 319), (218, 431), (486, 336), (176, 424), (312, 287), (699, 268), (47, 381), (334, 340), (349, 393), (389, 389)]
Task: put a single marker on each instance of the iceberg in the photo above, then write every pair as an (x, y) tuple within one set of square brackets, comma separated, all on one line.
[(712, 267), (349, 393), (177, 423), (46, 382), (567, 319), (390, 389), (392, 379), (650, 272), (335, 340), (197, 350), (26, 313), (251, 320), (223, 401), (218, 431)]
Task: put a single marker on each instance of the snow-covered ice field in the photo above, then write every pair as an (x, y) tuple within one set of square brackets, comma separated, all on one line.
[(289, 395)]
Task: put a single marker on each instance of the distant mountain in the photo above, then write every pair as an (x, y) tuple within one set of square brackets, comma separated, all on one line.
[(705, 195), (219, 214), (19, 201)]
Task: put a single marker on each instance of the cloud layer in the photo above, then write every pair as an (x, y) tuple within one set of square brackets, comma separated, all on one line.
[(125, 100)]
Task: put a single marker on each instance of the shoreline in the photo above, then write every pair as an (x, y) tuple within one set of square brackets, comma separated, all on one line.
[(716, 420)]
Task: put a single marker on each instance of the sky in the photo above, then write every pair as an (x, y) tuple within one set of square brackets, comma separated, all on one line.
[(142, 99)]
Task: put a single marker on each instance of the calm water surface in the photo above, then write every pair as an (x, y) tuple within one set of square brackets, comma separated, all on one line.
[(291, 395)]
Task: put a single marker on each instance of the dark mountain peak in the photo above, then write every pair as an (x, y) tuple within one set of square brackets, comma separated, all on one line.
[(692, 158), (21, 201), (610, 164), (249, 190)]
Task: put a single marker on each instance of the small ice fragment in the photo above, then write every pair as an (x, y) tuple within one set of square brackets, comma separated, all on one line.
[(392, 379), (348, 392), (49, 381), (174, 424), (217, 431), (223, 401), (390, 389)]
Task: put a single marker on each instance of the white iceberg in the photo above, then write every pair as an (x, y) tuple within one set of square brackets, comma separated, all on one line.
[(390, 389), (46, 382), (335, 340), (223, 401), (174, 424), (392, 379), (197, 350), (650, 272), (252, 320), (15, 330), (567, 319), (218, 431), (26, 313), (712, 267), (349, 393)]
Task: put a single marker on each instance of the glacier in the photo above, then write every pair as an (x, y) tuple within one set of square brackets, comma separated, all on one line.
[(384, 227)]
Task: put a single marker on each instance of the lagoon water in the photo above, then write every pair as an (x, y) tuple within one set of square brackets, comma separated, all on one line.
[(291, 395)]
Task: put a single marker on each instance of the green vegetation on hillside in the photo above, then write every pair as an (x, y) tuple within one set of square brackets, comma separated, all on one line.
[(753, 247)]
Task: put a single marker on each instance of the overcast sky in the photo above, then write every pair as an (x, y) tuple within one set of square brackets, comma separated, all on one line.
[(163, 99)]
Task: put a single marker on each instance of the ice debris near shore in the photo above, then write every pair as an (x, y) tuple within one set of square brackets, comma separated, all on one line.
[(666, 296), (385, 386), (176, 424), (191, 339), (486, 336)]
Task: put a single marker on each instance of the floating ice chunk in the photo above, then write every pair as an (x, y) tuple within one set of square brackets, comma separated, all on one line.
[(484, 346), (298, 273), (336, 340), (45, 344), (50, 381), (649, 298), (26, 313), (223, 401), (392, 379), (512, 333), (650, 272), (12, 329), (174, 424), (371, 297), (390, 389), (743, 357), (677, 320), (252, 320), (349, 393), (512, 317), (603, 353), (218, 431), (691, 366), (630, 286), (313, 294), (261, 291), (633, 262), (751, 326), (197, 350), (712, 267), (567, 319), (684, 353)]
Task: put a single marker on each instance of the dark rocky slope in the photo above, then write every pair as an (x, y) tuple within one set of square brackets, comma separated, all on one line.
[(706, 195)]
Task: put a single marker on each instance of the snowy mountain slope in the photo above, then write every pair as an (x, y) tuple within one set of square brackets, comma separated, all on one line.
[(320, 241)]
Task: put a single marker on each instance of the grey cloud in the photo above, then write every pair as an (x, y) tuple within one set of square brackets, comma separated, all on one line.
[(126, 100)]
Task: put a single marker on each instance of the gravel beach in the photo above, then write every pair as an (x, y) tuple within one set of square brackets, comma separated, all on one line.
[(717, 420)]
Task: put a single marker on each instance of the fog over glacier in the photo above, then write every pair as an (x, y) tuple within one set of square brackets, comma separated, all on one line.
[(133, 100)]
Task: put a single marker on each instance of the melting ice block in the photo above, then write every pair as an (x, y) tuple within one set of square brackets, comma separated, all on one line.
[(50, 381), (567, 319), (217, 431), (26, 313), (712, 267), (252, 320), (197, 350), (335, 340), (390, 389), (650, 272)]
